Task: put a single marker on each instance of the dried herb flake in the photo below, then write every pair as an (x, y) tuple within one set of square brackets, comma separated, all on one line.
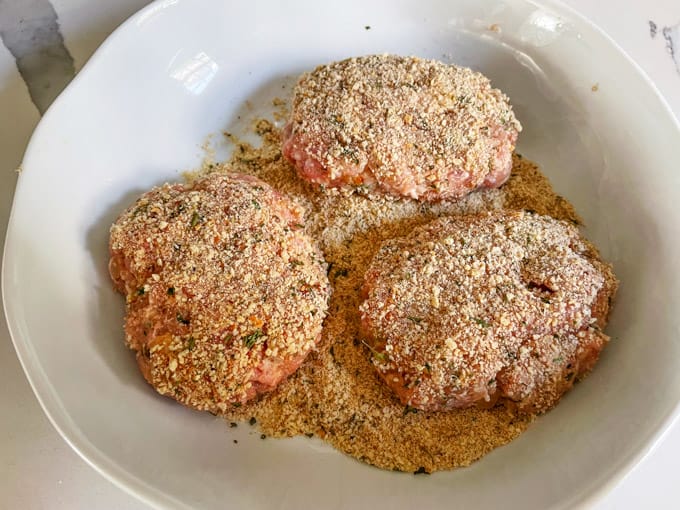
[(482, 322), (195, 219), (409, 409), (251, 339)]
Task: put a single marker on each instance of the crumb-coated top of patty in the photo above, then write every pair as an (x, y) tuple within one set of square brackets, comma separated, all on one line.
[(405, 125), (461, 298), (222, 284)]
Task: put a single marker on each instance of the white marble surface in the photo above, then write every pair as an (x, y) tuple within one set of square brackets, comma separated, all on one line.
[(39, 470)]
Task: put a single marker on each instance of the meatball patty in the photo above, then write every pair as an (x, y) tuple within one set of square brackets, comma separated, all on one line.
[(226, 294), (400, 125), (468, 309)]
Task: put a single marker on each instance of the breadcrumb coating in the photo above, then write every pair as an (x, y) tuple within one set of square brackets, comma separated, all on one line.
[(226, 294)]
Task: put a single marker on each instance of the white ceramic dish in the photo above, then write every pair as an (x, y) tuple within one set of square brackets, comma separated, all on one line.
[(137, 115)]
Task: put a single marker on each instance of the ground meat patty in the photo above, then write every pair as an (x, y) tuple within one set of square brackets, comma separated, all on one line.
[(468, 309), (226, 295), (401, 125)]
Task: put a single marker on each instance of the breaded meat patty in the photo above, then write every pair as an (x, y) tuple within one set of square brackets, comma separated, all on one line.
[(225, 293), (468, 309), (400, 125)]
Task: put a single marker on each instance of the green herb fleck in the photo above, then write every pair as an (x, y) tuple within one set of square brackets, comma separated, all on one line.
[(351, 154), (482, 322), (545, 300), (140, 209), (341, 272), (181, 319), (252, 421), (141, 291), (252, 338), (428, 367), (195, 219), (421, 471), (415, 320), (559, 359), (380, 356), (256, 204), (409, 409), (191, 343), (171, 291), (295, 262)]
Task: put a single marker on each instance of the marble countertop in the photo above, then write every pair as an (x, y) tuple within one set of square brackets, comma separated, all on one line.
[(45, 43)]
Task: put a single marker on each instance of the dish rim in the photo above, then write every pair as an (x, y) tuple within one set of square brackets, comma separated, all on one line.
[(152, 496)]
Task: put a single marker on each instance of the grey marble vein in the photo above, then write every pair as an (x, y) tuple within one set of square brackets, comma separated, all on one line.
[(30, 31), (672, 36)]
